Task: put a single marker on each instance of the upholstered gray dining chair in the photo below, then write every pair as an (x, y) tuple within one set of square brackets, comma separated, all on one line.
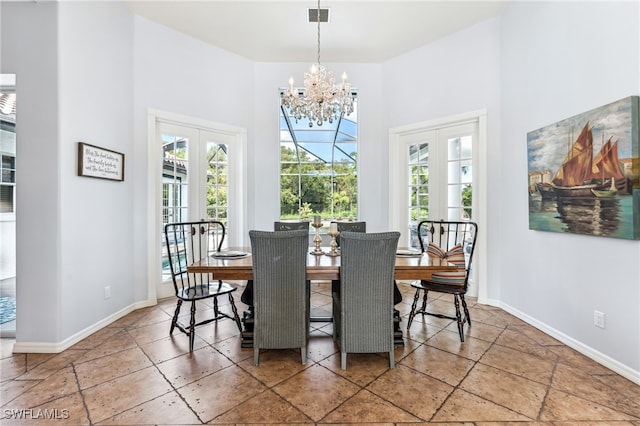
[(335, 285), (351, 227), (454, 241), (280, 292), (290, 226), (186, 243), (365, 303), (247, 294)]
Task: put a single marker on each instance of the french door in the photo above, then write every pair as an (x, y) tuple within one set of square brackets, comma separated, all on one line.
[(195, 174), (199, 174), (434, 174)]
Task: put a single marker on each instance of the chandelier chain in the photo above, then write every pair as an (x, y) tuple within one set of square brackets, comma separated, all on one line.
[(318, 19)]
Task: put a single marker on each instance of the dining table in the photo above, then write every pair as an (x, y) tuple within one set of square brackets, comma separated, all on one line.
[(236, 264)]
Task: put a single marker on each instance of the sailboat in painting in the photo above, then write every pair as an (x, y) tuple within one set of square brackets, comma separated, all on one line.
[(584, 172), (582, 175), (604, 193)]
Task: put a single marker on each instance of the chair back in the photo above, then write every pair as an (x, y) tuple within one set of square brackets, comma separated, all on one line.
[(366, 291), (351, 227), (447, 235), (188, 242), (279, 288), (290, 226)]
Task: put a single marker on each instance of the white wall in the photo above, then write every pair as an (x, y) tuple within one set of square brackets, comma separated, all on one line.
[(73, 66), (560, 59), (95, 56), (29, 50)]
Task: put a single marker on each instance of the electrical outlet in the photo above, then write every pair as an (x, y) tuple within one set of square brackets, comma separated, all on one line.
[(107, 292), (598, 319)]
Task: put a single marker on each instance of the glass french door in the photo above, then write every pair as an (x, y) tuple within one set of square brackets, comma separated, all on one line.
[(439, 175), (195, 178), (436, 172)]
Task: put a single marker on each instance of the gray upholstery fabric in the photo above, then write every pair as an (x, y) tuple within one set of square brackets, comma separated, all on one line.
[(351, 227), (365, 302), (335, 284), (290, 226), (280, 291)]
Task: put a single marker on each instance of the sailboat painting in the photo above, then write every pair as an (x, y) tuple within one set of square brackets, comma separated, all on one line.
[(584, 173)]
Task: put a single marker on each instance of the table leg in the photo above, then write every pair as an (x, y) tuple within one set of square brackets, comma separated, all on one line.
[(247, 316)]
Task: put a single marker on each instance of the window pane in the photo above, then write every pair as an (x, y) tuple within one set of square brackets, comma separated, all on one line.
[(454, 148), (460, 177), (318, 168), (217, 181), (6, 199), (8, 176), (465, 147), (7, 169), (454, 195), (175, 190), (418, 181), (8, 162), (454, 172), (465, 171)]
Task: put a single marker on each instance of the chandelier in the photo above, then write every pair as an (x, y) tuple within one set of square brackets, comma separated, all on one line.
[(321, 100)]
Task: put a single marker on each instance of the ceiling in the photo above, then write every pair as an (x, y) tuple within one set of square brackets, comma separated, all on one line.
[(278, 31)]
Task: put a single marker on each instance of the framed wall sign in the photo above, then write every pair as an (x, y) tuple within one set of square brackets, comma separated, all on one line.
[(99, 162)]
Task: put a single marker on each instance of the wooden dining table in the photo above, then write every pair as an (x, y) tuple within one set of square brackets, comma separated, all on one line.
[(319, 268)]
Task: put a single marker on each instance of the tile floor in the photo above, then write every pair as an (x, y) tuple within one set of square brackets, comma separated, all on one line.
[(131, 372)]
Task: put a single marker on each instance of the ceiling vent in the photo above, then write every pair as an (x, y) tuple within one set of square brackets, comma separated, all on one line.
[(312, 15)]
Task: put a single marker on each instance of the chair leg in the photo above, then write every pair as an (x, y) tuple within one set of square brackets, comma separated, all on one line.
[(303, 354), (392, 361), (466, 310), (459, 317), (343, 360), (236, 318), (216, 312), (412, 314), (424, 301), (256, 353), (174, 321), (192, 326)]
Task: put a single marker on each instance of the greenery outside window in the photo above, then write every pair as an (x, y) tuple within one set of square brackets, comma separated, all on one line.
[(217, 182), (319, 168)]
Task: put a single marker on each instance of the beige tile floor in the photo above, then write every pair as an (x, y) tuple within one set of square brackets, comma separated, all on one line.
[(132, 372)]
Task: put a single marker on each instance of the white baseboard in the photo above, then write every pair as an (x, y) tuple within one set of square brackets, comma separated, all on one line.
[(599, 357), (57, 347)]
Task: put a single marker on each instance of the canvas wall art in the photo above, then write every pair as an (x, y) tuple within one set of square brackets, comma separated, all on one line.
[(584, 173)]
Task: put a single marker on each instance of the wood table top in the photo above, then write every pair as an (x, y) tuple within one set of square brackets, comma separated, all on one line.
[(319, 267)]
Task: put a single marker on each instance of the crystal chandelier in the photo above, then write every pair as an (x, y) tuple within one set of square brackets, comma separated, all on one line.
[(321, 100)]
